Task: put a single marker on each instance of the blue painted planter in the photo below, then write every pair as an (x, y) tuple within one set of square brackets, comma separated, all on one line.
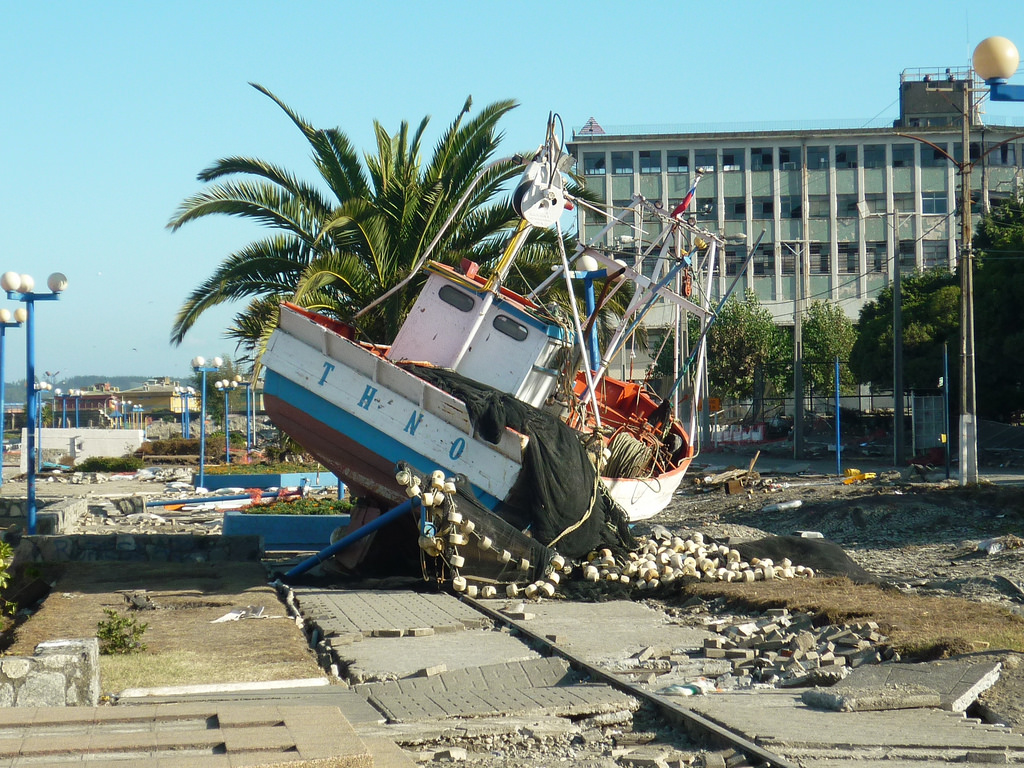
[(315, 480), (285, 533)]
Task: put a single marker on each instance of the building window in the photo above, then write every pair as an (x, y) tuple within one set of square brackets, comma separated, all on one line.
[(849, 259), (789, 258), (934, 254), (789, 158), (764, 260), (733, 261), (735, 208), (593, 163), (903, 202), (877, 257), (678, 161), (732, 159), (1004, 155), (705, 160), (875, 203), (932, 157), (761, 159), (846, 207), (902, 155), (934, 202), (817, 206), (622, 162), (820, 258), (764, 208), (790, 207), (874, 155), (846, 157), (817, 158), (908, 258), (594, 216), (650, 161)]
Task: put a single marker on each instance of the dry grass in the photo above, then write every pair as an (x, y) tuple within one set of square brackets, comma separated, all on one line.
[(183, 646), (918, 627)]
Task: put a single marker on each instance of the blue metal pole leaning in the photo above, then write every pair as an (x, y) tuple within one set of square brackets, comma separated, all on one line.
[(4, 325), (404, 508)]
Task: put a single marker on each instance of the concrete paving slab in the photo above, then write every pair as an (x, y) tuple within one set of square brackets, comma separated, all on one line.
[(536, 687), (198, 735), (625, 629), (352, 705), (369, 613), (779, 721), (393, 658), (949, 684)]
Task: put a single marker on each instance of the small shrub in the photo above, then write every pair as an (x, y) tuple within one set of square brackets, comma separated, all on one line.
[(303, 506), (119, 634), (6, 555), (110, 464)]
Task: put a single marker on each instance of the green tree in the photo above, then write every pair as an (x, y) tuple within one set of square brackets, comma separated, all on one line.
[(999, 311), (743, 338), (827, 334), (335, 250), (930, 313)]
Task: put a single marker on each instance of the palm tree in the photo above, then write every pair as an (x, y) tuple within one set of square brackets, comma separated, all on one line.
[(337, 251)]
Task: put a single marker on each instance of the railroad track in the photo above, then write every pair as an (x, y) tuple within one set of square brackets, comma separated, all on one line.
[(697, 726)]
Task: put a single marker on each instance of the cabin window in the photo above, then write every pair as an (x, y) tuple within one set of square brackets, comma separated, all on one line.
[(510, 327), (456, 298)]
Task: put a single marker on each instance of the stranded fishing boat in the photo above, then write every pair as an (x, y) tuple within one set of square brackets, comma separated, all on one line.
[(479, 383)]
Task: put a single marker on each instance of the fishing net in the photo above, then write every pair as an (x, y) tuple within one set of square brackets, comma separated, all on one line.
[(557, 497)]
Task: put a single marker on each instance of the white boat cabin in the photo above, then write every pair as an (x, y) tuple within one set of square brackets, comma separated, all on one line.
[(498, 339)]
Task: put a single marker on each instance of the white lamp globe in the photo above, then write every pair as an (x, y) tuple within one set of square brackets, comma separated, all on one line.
[(198, 361), (10, 281), (57, 282), (27, 283), (5, 315), (20, 315), (587, 263), (217, 362), (996, 58)]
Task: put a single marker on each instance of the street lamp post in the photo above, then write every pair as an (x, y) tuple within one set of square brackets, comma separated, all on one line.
[(19, 288), (239, 381), (77, 394), (226, 385), (5, 323), (199, 366), (137, 411), (63, 409)]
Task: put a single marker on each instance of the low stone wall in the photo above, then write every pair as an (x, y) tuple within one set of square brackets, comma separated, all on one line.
[(138, 547), (52, 518), (62, 673)]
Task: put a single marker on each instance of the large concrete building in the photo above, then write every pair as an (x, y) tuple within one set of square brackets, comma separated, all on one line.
[(843, 202)]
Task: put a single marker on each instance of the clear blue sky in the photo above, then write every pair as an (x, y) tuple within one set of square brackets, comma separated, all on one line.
[(109, 110)]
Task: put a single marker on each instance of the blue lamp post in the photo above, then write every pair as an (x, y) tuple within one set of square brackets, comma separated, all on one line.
[(137, 417), (19, 288), (199, 366), (63, 409), (5, 323)]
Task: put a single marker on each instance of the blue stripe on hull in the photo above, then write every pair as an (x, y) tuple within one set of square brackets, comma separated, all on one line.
[(337, 419)]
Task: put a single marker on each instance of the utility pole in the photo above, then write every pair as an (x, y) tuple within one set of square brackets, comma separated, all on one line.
[(968, 447), (899, 450)]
